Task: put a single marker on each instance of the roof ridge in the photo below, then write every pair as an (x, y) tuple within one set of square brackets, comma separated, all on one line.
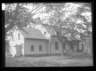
[(24, 30), (32, 33)]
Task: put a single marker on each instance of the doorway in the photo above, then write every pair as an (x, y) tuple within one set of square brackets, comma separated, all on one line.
[(19, 50)]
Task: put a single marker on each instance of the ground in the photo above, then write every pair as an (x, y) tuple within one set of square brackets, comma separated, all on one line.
[(49, 61)]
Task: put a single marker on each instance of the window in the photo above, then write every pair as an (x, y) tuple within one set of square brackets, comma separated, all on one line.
[(18, 35), (56, 45), (32, 47), (40, 47)]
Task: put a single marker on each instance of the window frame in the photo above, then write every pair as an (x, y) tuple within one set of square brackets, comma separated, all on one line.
[(40, 47), (32, 47)]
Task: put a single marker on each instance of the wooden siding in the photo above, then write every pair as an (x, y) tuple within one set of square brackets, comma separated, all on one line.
[(52, 46), (36, 43)]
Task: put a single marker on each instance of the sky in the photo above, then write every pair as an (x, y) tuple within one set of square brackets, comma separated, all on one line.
[(3, 6)]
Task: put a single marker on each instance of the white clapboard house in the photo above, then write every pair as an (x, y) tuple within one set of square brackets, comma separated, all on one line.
[(33, 41), (37, 40)]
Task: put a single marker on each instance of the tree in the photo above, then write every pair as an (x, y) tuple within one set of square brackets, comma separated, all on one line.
[(71, 21), (20, 14)]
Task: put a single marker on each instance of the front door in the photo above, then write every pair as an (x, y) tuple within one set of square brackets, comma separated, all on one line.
[(19, 50), (81, 48)]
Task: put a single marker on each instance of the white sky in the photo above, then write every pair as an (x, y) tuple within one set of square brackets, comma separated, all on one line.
[(3, 6)]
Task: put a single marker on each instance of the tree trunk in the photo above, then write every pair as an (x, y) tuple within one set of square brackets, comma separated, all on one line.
[(14, 20), (63, 48)]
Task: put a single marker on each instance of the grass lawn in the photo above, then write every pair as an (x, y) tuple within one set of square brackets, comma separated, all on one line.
[(49, 61)]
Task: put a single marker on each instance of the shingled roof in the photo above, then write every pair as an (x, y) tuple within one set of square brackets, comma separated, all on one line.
[(32, 33)]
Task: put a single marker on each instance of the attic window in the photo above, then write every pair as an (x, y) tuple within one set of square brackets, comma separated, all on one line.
[(44, 33)]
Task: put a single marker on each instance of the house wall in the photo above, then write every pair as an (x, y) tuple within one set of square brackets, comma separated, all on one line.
[(36, 43), (87, 45), (52, 46), (15, 41)]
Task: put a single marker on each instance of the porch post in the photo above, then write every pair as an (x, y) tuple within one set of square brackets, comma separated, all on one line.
[(49, 47), (80, 46)]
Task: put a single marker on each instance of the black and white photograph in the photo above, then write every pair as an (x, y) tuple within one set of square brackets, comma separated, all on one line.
[(48, 34)]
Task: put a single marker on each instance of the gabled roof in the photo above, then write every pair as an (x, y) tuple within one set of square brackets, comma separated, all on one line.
[(32, 33)]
